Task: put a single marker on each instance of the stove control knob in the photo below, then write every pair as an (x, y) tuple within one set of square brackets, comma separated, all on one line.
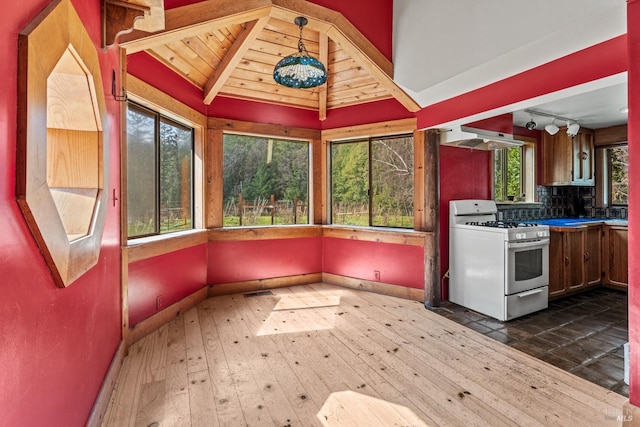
[(542, 234), (520, 236)]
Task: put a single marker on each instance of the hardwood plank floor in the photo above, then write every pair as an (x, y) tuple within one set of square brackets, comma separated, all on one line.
[(321, 355)]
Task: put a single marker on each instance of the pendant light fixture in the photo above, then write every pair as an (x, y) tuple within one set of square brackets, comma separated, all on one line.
[(300, 70)]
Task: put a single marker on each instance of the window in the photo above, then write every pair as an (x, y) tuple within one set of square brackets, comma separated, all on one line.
[(513, 178), (159, 173), (372, 182), (617, 175), (266, 181)]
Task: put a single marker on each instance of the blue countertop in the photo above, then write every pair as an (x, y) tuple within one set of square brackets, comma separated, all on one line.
[(575, 222)]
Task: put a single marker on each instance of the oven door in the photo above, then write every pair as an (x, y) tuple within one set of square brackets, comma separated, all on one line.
[(526, 265)]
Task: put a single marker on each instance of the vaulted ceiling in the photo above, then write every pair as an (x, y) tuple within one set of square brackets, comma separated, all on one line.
[(230, 49)]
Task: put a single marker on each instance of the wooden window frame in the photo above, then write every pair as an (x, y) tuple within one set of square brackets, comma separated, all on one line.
[(528, 171), (369, 141), (151, 98), (310, 185), (160, 118)]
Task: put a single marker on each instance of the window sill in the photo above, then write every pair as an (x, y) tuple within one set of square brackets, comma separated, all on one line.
[(164, 237), (152, 246), (373, 228)]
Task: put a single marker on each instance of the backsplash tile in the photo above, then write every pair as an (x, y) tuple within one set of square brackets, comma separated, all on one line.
[(560, 202)]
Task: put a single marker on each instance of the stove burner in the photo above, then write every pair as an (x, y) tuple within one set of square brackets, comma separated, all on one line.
[(502, 224)]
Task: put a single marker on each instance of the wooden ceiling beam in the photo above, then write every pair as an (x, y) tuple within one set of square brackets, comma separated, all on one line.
[(194, 19), (239, 47), (323, 57), (358, 49)]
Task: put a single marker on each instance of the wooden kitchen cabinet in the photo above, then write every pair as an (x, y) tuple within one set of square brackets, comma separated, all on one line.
[(574, 259), (592, 255), (567, 160), (556, 264), (615, 256)]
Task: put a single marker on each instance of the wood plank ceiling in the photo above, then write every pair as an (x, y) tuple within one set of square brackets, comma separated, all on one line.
[(230, 49)]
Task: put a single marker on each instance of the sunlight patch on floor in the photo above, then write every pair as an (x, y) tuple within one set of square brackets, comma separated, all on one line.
[(296, 301), (290, 315), (348, 408)]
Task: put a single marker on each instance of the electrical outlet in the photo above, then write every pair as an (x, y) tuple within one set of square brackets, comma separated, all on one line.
[(376, 275), (159, 302)]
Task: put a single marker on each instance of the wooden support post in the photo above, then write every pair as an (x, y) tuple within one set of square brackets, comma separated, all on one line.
[(240, 208), (432, 218)]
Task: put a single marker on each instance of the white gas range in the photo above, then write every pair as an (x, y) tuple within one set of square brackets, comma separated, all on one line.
[(497, 268)]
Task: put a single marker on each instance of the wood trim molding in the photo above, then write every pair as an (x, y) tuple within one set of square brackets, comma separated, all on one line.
[(371, 129), (376, 287), (320, 182), (263, 233), (409, 237), (163, 317), (610, 136), (262, 129), (108, 384), (419, 180), (61, 160), (214, 171), (263, 284), (164, 244)]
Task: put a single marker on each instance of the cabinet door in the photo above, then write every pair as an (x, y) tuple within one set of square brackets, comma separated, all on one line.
[(574, 258), (592, 255), (615, 257), (556, 158), (556, 265), (583, 158)]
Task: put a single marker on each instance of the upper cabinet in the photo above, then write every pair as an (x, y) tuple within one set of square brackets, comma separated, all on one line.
[(567, 160)]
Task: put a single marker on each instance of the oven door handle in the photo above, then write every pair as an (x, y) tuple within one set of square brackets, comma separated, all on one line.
[(531, 292), (524, 245)]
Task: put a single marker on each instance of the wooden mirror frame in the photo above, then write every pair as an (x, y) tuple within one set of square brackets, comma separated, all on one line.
[(62, 160)]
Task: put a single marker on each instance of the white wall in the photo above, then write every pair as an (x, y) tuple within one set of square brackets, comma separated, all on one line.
[(443, 48)]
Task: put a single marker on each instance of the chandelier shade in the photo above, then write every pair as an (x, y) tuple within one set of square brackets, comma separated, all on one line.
[(300, 70)]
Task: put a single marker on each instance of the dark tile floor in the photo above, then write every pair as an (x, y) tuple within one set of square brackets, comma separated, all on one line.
[(583, 334)]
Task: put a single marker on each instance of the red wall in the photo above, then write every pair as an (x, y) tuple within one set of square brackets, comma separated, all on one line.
[(263, 259), (464, 174), (633, 17), (56, 344), (172, 276), (401, 265)]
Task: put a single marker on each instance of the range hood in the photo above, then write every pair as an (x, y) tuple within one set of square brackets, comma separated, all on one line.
[(477, 139)]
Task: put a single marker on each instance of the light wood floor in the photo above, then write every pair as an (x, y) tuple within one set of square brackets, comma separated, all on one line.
[(320, 355)]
